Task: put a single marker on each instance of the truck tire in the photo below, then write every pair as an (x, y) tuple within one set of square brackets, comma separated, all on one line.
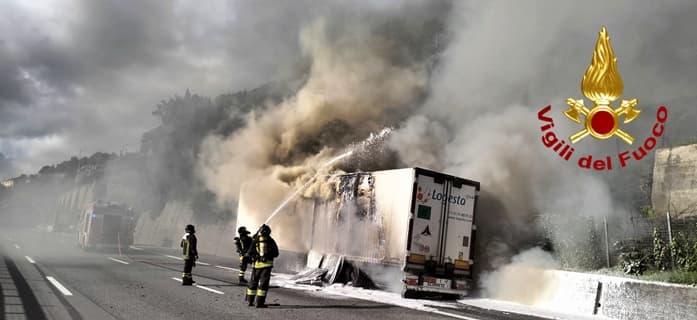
[(410, 294)]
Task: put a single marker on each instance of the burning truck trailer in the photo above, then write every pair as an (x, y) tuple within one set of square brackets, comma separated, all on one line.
[(414, 224)]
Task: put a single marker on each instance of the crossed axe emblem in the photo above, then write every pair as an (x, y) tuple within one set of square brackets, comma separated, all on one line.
[(626, 109)]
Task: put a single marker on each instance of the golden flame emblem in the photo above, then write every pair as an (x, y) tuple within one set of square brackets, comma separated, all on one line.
[(602, 84)]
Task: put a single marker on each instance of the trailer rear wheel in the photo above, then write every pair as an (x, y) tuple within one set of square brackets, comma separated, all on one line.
[(410, 294)]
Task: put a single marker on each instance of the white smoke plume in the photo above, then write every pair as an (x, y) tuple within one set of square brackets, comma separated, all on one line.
[(473, 125), (523, 280), (503, 63), (353, 89)]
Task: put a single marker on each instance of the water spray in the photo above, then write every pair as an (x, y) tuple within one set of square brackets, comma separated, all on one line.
[(360, 147), (297, 191)]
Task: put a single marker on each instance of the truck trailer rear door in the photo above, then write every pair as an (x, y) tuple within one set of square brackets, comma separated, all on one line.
[(426, 225), (458, 229), (443, 217)]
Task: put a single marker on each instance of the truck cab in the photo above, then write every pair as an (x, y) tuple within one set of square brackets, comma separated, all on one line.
[(106, 225)]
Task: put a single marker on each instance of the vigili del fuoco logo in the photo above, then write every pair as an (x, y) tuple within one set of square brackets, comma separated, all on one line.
[(602, 85)]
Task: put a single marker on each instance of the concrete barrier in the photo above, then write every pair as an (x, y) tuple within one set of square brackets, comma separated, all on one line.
[(620, 298), (167, 229)]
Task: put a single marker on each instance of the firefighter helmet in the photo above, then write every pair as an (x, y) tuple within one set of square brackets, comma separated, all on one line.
[(264, 230), (243, 230), (190, 228)]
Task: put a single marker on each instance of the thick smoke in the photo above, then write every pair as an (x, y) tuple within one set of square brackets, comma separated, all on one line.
[(354, 88), (524, 279), (473, 125), (460, 84), (478, 119)]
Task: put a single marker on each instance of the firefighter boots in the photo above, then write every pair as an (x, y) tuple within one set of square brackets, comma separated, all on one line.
[(242, 280), (187, 279), (261, 302)]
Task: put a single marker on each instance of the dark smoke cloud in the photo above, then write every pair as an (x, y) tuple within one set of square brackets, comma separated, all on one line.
[(82, 76)]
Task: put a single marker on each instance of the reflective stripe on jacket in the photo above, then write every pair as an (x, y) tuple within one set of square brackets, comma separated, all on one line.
[(188, 245)]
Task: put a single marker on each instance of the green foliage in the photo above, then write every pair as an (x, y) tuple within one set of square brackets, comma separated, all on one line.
[(682, 250), (661, 259), (685, 252)]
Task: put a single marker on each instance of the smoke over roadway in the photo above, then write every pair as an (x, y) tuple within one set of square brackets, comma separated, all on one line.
[(503, 63), (459, 84)]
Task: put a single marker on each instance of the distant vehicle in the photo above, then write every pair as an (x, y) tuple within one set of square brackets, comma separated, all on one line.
[(106, 225), (417, 222)]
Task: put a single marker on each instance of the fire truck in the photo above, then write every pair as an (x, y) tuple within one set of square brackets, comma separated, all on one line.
[(106, 225)]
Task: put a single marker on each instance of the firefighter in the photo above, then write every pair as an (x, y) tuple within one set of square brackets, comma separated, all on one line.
[(263, 250), (190, 254), (243, 242)]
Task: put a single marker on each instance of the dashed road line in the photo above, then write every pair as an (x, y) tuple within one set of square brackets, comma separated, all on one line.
[(30, 259), (59, 286), (203, 263), (173, 257), (117, 260), (227, 268), (201, 287), (135, 248), (17, 246), (209, 289)]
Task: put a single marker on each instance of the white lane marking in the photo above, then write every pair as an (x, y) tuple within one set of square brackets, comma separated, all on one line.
[(135, 248), (17, 246), (457, 316), (117, 260), (173, 257), (227, 268), (209, 289), (201, 287), (203, 263), (30, 259), (59, 286)]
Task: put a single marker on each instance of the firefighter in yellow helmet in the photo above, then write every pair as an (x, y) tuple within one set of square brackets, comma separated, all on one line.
[(243, 242), (189, 253), (263, 250)]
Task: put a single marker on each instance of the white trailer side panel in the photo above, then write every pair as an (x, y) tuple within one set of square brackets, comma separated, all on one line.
[(393, 192)]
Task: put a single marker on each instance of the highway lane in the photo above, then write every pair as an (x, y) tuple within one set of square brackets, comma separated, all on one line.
[(142, 283), (103, 286)]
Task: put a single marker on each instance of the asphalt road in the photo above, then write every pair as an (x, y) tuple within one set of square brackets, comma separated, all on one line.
[(45, 276)]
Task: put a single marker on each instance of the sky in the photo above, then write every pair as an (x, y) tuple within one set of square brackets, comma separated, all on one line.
[(80, 76)]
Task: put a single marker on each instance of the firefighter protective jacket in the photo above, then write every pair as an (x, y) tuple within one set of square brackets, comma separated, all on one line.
[(188, 245), (263, 250), (243, 243)]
